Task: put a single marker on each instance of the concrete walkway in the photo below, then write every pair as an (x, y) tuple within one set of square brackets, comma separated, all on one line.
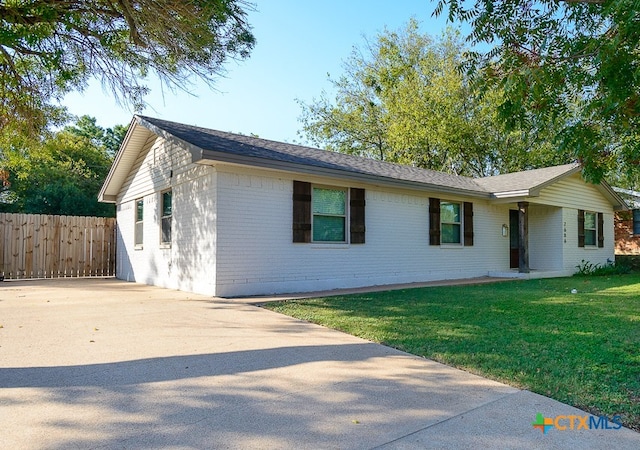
[(108, 364)]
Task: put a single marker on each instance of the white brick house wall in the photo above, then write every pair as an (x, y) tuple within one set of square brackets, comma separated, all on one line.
[(256, 254), (189, 263)]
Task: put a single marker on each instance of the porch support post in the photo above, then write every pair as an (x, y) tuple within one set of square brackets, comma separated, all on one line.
[(523, 232)]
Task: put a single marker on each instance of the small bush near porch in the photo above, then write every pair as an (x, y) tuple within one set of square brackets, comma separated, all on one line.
[(581, 349)]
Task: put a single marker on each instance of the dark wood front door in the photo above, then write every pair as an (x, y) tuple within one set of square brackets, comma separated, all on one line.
[(514, 240)]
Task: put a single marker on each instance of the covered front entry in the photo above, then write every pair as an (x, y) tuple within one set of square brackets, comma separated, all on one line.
[(537, 238), (536, 241)]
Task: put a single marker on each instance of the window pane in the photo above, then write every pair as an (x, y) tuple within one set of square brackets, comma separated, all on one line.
[(329, 201), (139, 207), (328, 228), (166, 204), (590, 221), (589, 237), (166, 230), (450, 233), (636, 221), (138, 234), (449, 212)]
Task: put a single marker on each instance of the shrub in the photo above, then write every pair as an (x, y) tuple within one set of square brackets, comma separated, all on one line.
[(632, 261), (586, 268)]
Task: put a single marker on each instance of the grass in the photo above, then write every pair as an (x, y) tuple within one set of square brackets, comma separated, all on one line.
[(582, 349)]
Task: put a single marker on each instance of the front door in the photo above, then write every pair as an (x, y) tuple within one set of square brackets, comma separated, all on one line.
[(514, 240)]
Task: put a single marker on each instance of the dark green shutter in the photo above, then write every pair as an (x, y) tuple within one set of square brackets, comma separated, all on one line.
[(468, 223), (357, 225), (301, 211), (580, 228), (600, 230), (434, 221)]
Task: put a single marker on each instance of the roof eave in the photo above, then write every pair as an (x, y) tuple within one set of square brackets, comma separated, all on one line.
[(196, 152), (102, 195), (619, 204), (537, 188), (212, 156)]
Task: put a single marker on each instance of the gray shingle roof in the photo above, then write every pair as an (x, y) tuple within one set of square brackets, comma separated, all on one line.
[(526, 180), (215, 142), (211, 145), (631, 197), (206, 144)]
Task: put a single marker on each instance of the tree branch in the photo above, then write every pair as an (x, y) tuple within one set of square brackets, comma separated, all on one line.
[(133, 26), (590, 2), (11, 65)]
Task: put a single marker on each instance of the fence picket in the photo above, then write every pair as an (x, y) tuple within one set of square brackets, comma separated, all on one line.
[(45, 246)]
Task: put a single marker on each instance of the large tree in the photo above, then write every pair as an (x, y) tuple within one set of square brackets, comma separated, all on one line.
[(402, 98), (59, 174), (51, 47), (108, 140), (574, 58)]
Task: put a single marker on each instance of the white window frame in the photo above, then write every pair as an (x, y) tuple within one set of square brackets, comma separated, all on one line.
[(138, 225), (164, 243), (345, 216), (594, 229), (460, 223)]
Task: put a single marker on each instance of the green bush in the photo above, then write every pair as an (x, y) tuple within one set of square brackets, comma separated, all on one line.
[(632, 261), (586, 268)]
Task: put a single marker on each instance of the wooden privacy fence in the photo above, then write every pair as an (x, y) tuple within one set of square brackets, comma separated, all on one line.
[(40, 246)]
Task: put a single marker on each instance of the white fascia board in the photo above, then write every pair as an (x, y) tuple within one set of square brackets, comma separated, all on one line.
[(102, 195), (511, 194)]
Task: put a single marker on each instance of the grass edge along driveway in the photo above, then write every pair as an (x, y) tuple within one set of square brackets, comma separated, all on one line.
[(582, 349)]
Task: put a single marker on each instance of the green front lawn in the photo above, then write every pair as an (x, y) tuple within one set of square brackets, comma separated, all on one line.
[(582, 349)]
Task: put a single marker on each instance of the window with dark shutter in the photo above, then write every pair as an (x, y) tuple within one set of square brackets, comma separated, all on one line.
[(600, 230), (357, 225), (434, 221), (468, 223), (580, 228), (301, 211)]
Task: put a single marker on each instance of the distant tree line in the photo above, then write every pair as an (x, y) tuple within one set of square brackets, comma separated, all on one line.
[(59, 173)]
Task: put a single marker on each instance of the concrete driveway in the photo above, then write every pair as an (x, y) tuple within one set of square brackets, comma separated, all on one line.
[(109, 364)]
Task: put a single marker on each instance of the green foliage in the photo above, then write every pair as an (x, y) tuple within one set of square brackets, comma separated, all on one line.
[(403, 99), (48, 48), (107, 139), (61, 173), (587, 268), (574, 60), (631, 261), (580, 349)]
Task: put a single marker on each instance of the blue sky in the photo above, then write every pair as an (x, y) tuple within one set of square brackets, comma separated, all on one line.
[(298, 43)]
